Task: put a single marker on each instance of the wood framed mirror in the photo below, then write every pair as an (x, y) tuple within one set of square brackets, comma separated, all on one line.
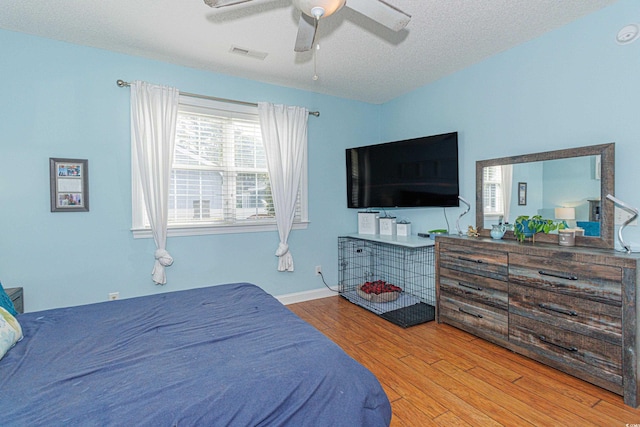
[(577, 178)]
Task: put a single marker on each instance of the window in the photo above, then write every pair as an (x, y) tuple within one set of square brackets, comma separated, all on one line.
[(492, 191), (219, 181)]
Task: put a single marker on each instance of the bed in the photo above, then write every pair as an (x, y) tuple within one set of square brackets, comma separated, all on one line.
[(221, 355)]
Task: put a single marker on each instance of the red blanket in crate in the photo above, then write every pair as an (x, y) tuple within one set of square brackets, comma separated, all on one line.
[(379, 291)]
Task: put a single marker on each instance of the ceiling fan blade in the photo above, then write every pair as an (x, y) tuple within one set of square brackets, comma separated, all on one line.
[(381, 12), (306, 33), (222, 3)]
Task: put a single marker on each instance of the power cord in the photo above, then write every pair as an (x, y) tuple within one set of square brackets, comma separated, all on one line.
[(325, 283)]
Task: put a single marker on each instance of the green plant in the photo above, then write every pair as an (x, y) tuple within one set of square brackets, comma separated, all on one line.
[(526, 226)]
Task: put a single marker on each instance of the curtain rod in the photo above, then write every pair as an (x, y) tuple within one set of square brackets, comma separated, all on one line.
[(122, 83)]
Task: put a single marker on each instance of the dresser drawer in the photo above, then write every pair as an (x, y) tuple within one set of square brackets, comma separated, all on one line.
[(594, 319), (568, 350), (469, 287), (594, 282), (487, 263), (479, 319)]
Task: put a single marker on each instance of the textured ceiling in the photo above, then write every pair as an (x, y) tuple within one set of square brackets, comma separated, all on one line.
[(357, 59)]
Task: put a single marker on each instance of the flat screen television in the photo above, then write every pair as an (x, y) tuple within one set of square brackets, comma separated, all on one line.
[(419, 172)]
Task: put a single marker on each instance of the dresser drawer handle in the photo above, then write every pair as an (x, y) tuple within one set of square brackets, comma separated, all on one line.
[(567, 276), (558, 309), (475, 288), (477, 261), (479, 316), (564, 347)]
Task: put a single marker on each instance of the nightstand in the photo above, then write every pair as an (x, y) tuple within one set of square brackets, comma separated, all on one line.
[(17, 297)]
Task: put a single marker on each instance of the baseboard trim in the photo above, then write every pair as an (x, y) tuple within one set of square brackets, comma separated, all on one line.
[(306, 296)]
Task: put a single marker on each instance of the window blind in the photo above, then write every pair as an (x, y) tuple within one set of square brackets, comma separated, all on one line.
[(492, 192), (220, 170)]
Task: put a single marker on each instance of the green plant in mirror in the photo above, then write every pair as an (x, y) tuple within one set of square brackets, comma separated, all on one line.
[(526, 226)]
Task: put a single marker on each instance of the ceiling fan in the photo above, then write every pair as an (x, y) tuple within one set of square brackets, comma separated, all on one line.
[(312, 10)]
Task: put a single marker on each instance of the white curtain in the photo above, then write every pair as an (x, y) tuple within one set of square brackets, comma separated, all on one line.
[(154, 113), (506, 186), (284, 135)]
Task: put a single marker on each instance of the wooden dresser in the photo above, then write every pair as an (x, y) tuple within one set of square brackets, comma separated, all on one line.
[(571, 308)]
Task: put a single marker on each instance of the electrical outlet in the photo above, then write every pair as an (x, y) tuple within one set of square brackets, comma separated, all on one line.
[(622, 215), (114, 296), (318, 270)]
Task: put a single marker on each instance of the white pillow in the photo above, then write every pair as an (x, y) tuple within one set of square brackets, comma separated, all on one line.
[(10, 331)]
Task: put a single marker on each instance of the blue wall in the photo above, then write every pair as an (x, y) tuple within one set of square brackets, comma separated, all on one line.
[(572, 87), (61, 100)]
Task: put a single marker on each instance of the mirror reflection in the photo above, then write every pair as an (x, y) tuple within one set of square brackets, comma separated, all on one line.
[(568, 185), (565, 189)]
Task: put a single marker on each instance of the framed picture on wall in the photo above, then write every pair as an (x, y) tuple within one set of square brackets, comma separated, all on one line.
[(522, 193), (69, 185)]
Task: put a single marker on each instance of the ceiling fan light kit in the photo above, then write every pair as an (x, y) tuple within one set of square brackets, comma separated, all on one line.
[(319, 8)]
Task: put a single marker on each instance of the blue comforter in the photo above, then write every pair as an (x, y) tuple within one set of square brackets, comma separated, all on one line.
[(228, 355)]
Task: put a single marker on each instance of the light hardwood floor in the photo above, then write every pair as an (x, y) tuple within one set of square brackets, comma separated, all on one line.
[(439, 375)]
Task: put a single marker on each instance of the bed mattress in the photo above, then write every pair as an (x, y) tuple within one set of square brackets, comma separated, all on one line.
[(222, 355)]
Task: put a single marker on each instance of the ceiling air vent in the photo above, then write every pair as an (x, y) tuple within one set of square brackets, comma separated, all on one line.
[(247, 52)]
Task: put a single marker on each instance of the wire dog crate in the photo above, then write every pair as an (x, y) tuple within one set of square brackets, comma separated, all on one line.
[(369, 262)]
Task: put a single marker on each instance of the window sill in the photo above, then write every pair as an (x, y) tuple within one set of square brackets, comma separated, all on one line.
[(145, 233)]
